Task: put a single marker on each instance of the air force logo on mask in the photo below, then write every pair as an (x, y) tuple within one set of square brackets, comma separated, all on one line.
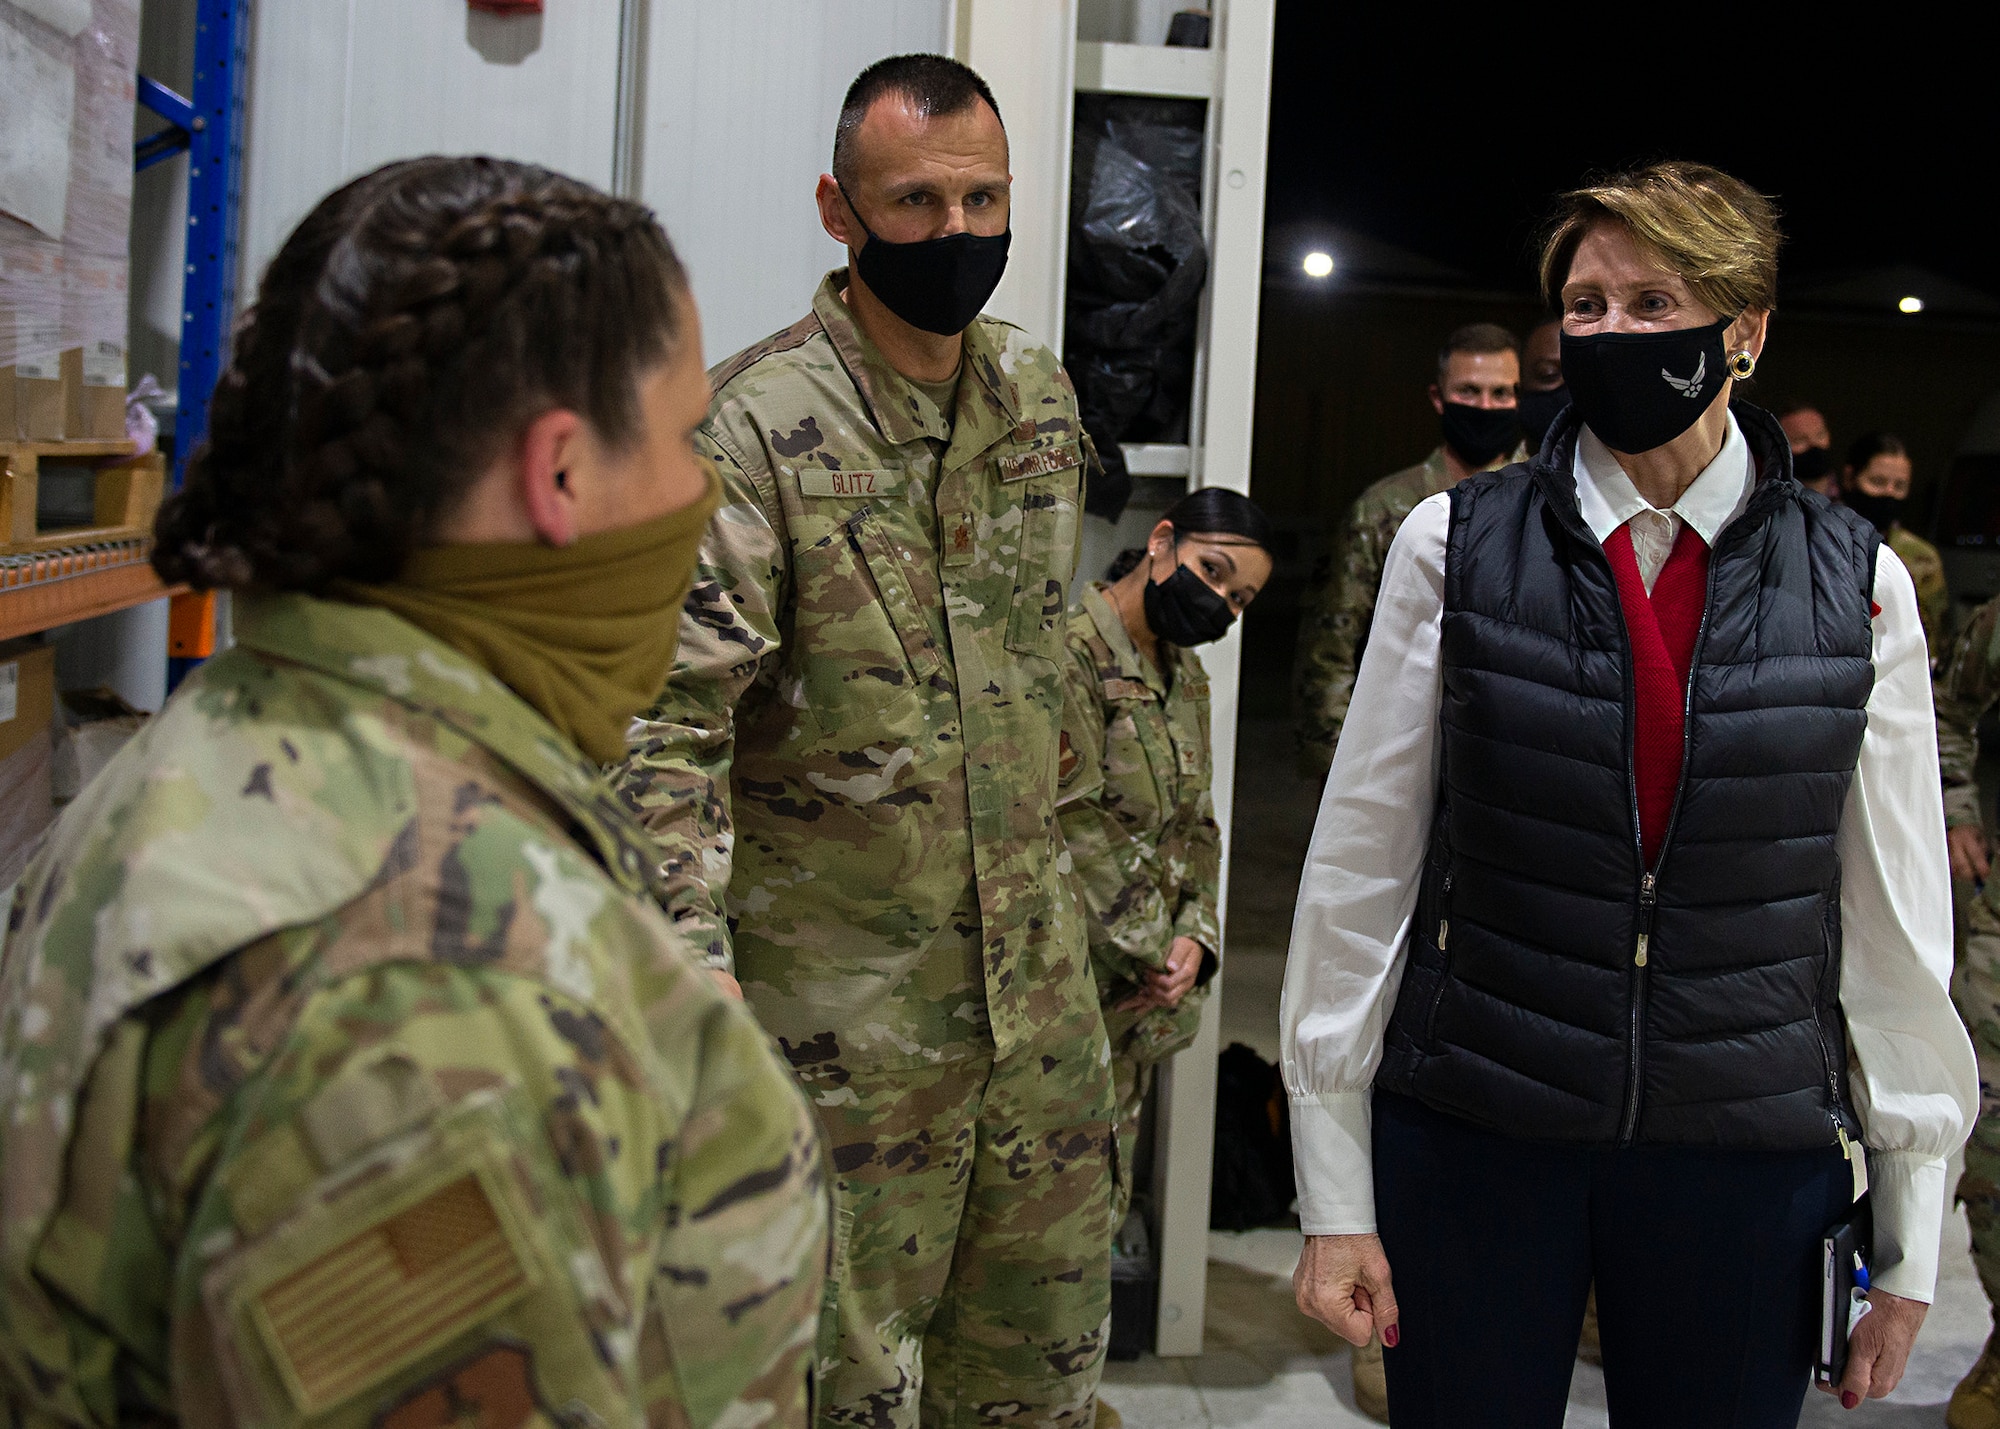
[(1689, 387)]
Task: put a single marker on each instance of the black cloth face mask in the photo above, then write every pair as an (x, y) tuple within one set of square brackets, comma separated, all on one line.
[(1479, 434), (1881, 512), (1640, 390), (1183, 611), (1812, 464), (1538, 412), (937, 284)]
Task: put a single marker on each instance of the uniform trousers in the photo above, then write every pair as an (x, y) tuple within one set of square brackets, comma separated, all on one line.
[(1975, 989), (971, 1282), (1706, 1260)]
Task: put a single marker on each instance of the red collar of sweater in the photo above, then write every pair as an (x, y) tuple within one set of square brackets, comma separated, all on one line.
[(1662, 628)]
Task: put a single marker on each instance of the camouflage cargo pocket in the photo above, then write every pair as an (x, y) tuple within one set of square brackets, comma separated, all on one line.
[(859, 638)]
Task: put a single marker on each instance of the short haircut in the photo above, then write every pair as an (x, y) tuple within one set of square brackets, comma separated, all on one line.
[(1792, 409), (1719, 234), (937, 86), (1866, 447), (1476, 337)]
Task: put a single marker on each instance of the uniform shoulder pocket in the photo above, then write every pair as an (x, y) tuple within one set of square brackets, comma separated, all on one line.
[(438, 1262), (1035, 624)]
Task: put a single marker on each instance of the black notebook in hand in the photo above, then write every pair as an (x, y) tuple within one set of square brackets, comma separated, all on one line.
[(1844, 1260)]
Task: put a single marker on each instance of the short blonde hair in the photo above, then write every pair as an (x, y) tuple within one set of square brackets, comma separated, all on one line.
[(1716, 231)]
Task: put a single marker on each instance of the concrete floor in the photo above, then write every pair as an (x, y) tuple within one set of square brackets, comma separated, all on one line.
[(1265, 1365)]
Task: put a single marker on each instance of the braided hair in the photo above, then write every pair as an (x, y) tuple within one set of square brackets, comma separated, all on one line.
[(409, 328)]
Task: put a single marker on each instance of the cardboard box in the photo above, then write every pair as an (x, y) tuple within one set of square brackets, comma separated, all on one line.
[(27, 710), (27, 692), (40, 405), (93, 379)]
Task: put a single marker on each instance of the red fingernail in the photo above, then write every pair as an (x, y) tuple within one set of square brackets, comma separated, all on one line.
[(1848, 1399), (1391, 1335)]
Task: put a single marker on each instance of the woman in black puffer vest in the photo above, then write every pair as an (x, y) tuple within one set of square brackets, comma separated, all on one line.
[(1626, 924)]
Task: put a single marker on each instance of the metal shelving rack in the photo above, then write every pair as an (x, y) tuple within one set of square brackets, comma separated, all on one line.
[(55, 585)]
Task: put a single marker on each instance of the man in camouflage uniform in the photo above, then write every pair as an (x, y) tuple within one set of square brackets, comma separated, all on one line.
[(351, 1077), (1967, 687), (1479, 369), (852, 775)]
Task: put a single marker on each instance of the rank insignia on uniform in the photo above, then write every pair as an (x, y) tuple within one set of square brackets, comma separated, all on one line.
[(389, 1294)]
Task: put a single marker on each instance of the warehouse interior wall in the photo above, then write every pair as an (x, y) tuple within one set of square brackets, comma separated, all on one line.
[(338, 87), (736, 128)]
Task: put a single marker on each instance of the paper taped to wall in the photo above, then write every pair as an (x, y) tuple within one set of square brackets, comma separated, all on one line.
[(37, 102)]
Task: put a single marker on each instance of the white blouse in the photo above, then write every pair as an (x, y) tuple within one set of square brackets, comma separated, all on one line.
[(1917, 1090)]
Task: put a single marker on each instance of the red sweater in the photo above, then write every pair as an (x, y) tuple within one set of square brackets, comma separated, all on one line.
[(1662, 628)]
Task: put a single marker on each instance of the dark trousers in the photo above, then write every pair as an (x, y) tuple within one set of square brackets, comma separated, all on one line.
[(1706, 1261)]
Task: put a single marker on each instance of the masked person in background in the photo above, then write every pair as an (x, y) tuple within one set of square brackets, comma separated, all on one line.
[(1542, 391), (1875, 484), (1968, 688), (1134, 781), (852, 773), (352, 1073), (1478, 378), (1812, 449)]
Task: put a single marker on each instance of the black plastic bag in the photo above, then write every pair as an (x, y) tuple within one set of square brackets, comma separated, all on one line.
[(1137, 265), (1252, 1183)]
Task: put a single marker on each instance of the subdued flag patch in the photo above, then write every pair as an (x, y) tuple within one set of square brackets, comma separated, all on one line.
[(397, 1291)]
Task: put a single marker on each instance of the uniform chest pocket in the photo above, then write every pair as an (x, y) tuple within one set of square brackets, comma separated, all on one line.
[(859, 638), (1048, 500)]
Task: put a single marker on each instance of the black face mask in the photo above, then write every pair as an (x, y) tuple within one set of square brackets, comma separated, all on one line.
[(1640, 390), (1538, 412), (937, 284), (1812, 464), (1881, 512), (1183, 611), (1479, 434)]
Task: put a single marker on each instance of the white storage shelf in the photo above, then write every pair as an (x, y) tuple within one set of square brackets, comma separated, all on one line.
[(1157, 458), (1166, 71)]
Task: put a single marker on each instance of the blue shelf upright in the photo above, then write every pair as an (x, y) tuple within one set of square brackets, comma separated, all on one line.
[(209, 126)]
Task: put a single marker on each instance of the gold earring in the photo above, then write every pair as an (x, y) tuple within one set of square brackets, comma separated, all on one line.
[(1742, 365)]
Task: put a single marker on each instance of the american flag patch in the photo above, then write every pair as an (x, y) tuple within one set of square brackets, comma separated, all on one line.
[(388, 1296)]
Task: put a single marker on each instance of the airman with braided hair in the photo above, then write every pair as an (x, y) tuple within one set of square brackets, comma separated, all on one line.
[(349, 1071)]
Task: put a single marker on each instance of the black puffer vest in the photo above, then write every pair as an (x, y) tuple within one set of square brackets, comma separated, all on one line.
[(1529, 1002)]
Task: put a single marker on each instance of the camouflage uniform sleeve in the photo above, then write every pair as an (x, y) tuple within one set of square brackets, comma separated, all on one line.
[(1965, 689), (744, 1262), (1201, 889), (441, 1186), (1330, 641), (1131, 926), (452, 1185), (676, 770)]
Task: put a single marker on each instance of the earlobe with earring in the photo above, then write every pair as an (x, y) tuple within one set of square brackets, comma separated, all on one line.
[(1742, 365)]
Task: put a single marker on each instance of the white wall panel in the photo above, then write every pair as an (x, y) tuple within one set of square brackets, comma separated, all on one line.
[(1026, 50), (338, 87), (740, 102)]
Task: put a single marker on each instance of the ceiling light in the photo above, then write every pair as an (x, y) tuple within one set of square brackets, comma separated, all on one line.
[(1910, 305), (1320, 265)]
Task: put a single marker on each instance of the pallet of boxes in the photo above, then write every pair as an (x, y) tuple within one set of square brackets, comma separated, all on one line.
[(77, 496)]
